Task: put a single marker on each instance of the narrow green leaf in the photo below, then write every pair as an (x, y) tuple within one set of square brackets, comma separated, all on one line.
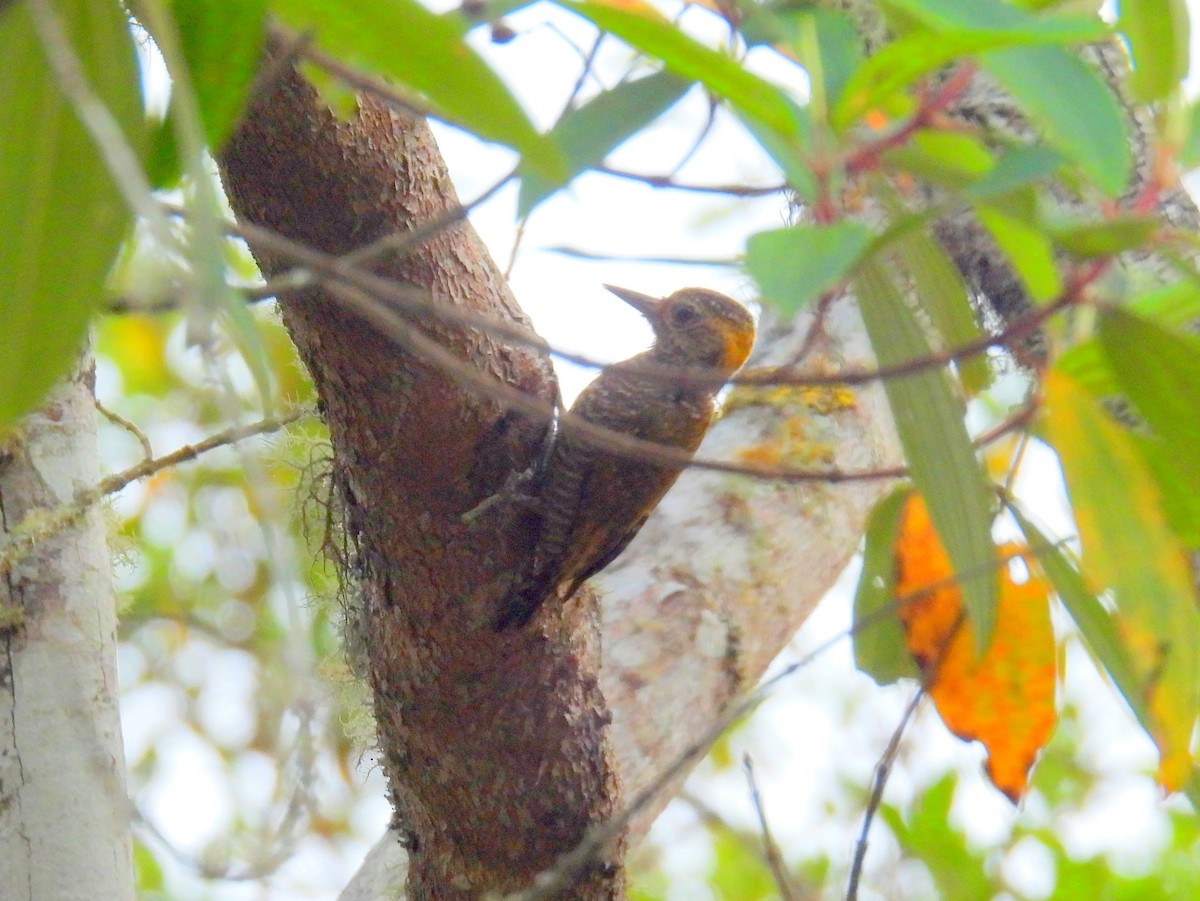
[(824, 41), (164, 165), (1072, 105), (1088, 366), (1176, 478), (1027, 248), (646, 30), (794, 266), (586, 135), (222, 43), (1157, 32), (839, 49), (941, 460), (1160, 372), (1189, 153), (944, 296), (1171, 306), (788, 152), (1105, 239), (61, 214), (427, 54), (1129, 549), (880, 649), (1094, 621)]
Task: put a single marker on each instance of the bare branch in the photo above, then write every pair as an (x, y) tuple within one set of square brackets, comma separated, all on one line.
[(770, 848), (43, 524), (883, 770)]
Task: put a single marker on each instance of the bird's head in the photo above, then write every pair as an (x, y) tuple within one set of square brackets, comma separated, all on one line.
[(696, 327)]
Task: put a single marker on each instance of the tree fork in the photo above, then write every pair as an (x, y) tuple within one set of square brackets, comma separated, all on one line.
[(495, 746)]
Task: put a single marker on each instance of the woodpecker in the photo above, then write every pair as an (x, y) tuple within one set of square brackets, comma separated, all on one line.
[(592, 501)]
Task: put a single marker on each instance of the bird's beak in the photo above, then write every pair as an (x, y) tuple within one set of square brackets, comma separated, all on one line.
[(643, 303)]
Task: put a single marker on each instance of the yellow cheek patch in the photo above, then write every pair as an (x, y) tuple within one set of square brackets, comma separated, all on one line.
[(738, 339)]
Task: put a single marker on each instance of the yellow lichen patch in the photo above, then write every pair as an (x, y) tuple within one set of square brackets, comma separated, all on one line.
[(828, 399), (822, 399), (788, 443), (745, 396)]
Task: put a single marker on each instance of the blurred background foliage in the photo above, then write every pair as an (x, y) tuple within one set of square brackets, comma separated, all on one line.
[(249, 743)]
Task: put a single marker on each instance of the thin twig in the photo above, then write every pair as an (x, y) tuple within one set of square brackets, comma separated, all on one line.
[(315, 266), (770, 848), (42, 524), (867, 156), (190, 452), (668, 181), (709, 121), (360, 293), (123, 423), (883, 770)]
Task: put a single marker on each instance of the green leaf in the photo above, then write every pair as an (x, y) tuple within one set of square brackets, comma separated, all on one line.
[(61, 214), (1027, 248), (794, 266), (901, 62), (823, 41), (586, 135), (1094, 621), (788, 153), (944, 296), (646, 30), (996, 16), (941, 460), (1171, 306), (1087, 365), (958, 871), (945, 158), (1157, 32), (1107, 238), (1176, 478), (1129, 549), (1189, 153), (839, 46), (737, 870), (1072, 105), (1160, 372), (1018, 168), (222, 43), (880, 649), (164, 164), (427, 54)]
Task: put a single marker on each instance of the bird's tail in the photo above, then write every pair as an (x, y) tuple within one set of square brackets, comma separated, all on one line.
[(522, 603)]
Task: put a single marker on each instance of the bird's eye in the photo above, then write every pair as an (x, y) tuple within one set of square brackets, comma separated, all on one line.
[(684, 315)]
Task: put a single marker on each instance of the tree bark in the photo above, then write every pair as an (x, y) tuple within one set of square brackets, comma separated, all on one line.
[(64, 808), (495, 745)]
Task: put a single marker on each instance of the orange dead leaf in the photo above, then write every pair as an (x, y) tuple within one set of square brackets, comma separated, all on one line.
[(1004, 699)]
